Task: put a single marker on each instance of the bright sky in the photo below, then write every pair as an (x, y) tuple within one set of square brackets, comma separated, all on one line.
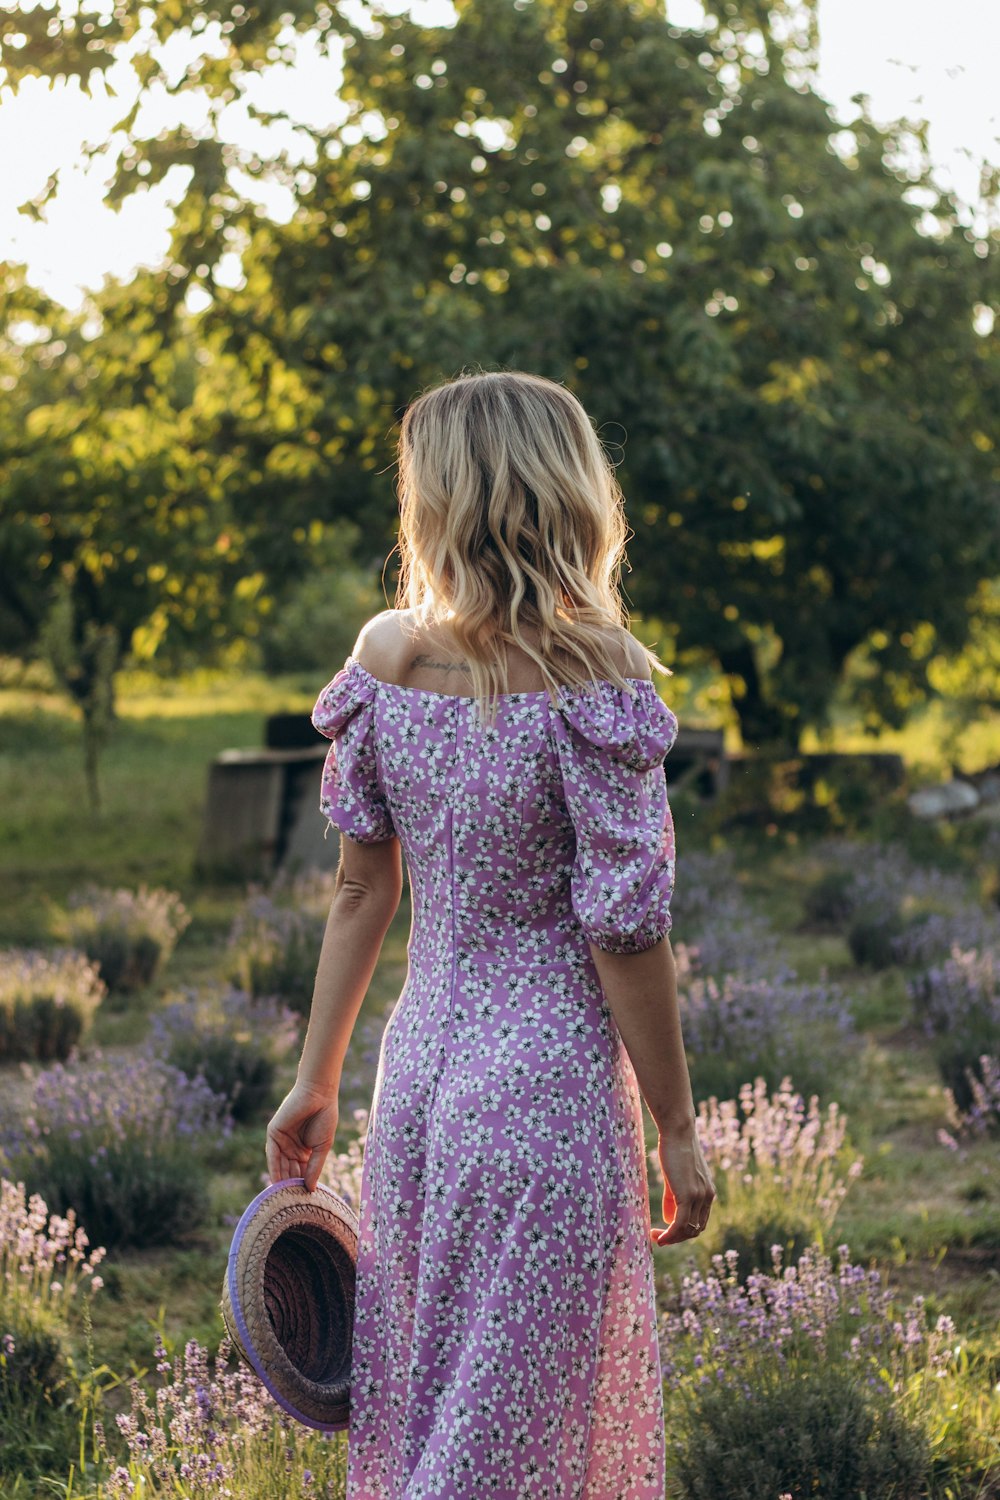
[(909, 57)]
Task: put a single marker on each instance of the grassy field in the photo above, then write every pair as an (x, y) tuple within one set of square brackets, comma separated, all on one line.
[(153, 776), (933, 1224)]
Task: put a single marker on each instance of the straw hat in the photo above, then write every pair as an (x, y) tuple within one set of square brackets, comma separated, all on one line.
[(288, 1298)]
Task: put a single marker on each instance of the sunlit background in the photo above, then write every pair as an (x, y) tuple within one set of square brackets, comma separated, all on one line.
[(912, 63)]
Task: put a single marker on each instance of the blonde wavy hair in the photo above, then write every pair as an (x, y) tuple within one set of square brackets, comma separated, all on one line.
[(510, 516)]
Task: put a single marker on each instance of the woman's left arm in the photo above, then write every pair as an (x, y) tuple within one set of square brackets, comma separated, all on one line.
[(367, 892)]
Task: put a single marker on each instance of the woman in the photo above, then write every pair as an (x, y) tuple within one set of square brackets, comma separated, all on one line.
[(501, 728)]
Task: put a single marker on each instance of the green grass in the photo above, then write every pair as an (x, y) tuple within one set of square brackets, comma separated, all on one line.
[(154, 776)]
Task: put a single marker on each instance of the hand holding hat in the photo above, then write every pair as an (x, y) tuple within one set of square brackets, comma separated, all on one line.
[(288, 1292), (300, 1134)]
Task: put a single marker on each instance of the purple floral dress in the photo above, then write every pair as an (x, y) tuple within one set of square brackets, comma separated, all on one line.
[(505, 1332)]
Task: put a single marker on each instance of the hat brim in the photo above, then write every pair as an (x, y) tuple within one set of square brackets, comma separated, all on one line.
[(288, 1298)]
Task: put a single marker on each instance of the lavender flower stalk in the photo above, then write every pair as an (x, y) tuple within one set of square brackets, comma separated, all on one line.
[(209, 1431), (43, 1255), (982, 1117), (795, 1316)]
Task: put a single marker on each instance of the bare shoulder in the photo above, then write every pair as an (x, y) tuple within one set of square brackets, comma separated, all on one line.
[(381, 644), (631, 657), (386, 644), (396, 648)]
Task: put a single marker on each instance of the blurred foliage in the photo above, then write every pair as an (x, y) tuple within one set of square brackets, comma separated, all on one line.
[(807, 794), (312, 624), (972, 679), (129, 934), (772, 319)]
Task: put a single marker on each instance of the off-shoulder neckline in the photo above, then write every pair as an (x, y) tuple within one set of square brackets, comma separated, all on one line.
[(399, 687)]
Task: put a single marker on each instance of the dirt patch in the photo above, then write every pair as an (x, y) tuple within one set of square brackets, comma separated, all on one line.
[(960, 1265)]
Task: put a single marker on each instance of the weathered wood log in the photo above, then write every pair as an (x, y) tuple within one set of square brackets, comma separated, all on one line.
[(262, 812)]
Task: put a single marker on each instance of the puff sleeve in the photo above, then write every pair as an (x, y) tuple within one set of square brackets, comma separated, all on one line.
[(352, 796), (611, 747)]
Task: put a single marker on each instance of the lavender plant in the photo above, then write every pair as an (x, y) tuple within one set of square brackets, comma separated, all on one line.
[(958, 1004), (719, 932), (931, 938), (44, 1265), (982, 1116), (209, 1430), (128, 934), (885, 877), (774, 1027), (894, 910), (122, 1142), (803, 1381), (274, 949), (231, 1040), (781, 1168), (47, 1002)]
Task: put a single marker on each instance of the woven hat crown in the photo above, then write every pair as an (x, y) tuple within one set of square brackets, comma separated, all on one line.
[(288, 1298)]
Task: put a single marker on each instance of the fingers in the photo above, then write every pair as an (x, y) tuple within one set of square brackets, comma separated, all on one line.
[(281, 1166), (283, 1160), (314, 1166), (690, 1218), (288, 1158)]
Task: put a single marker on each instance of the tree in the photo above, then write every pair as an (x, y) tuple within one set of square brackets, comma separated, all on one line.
[(778, 313), (115, 534)]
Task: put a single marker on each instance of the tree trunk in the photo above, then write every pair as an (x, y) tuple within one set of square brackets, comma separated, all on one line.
[(762, 724), (91, 751)]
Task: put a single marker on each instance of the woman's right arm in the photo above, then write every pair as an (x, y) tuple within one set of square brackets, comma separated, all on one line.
[(641, 991)]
